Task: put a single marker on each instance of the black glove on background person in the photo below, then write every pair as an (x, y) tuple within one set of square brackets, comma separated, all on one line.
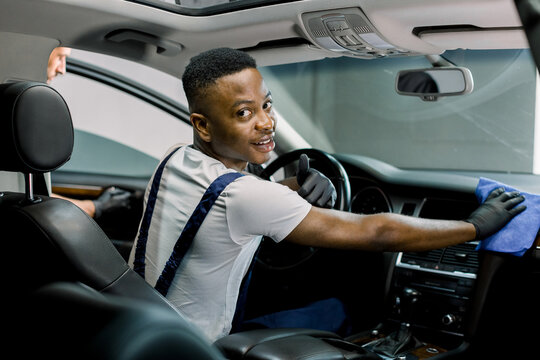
[(498, 209), (316, 188), (110, 200)]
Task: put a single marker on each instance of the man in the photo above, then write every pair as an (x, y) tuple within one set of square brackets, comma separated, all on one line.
[(111, 198), (57, 62), (233, 125)]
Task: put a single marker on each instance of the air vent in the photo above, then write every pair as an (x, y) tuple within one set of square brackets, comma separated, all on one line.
[(408, 209), (463, 257), (422, 258), (459, 260)]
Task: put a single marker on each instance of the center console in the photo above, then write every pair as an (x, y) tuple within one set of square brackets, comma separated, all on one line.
[(429, 296), (444, 279)]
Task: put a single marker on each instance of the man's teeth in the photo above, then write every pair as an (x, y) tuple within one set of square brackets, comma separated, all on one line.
[(264, 142)]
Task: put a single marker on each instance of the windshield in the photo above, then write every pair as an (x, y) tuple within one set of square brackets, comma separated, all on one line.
[(347, 105)]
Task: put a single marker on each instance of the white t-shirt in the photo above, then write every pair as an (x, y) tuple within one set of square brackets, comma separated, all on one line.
[(206, 286)]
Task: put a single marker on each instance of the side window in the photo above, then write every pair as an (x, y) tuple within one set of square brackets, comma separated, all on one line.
[(99, 155), (116, 133)]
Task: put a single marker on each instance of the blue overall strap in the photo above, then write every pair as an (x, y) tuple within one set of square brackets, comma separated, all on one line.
[(190, 230), (140, 250)]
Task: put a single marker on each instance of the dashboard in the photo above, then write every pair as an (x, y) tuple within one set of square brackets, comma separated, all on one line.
[(432, 291)]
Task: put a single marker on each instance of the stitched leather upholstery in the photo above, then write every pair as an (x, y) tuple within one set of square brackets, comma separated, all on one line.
[(36, 132)]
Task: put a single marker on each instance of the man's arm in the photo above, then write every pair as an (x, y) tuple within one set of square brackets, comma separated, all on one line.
[(112, 199), (86, 205), (394, 232), (379, 232)]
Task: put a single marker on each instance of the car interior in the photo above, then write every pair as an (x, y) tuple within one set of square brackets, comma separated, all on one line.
[(70, 290)]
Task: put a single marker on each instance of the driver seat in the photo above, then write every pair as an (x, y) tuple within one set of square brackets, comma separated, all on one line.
[(60, 265)]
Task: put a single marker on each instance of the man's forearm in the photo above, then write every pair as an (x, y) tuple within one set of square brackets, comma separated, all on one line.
[(378, 232), (405, 233), (86, 205)]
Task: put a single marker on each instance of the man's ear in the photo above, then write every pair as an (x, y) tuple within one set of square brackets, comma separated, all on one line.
[(201, 126)]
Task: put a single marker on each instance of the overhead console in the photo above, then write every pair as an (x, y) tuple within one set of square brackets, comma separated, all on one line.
[(349, 32)]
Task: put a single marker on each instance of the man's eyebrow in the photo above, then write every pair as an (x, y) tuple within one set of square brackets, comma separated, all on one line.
[(240, 102)]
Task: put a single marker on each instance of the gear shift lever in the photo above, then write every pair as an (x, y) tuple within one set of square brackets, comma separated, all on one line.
[(402, 339), (409, 300)]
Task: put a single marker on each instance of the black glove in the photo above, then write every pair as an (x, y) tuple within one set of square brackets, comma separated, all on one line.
[(498, 209), (110, 200), (316, 188)]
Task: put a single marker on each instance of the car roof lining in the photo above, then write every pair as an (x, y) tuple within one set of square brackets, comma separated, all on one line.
[(27, 57), (85, 24)]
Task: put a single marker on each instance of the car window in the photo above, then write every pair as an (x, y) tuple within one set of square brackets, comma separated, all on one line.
[(99, 155), (116, 133), (349, 105)]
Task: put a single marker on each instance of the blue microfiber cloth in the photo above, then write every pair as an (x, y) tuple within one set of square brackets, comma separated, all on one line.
[(519, 234)]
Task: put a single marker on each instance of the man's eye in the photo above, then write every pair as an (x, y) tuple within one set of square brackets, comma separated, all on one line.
[(244, 113), (267, 105)]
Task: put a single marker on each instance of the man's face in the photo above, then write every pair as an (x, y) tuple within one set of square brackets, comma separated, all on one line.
[(57, 62), (241, 119)]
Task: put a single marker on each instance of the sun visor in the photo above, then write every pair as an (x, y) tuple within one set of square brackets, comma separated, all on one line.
[(480, 39)]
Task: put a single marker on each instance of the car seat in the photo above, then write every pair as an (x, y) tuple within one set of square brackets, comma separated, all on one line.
[(72, 321), (61, 269), (51, 239)]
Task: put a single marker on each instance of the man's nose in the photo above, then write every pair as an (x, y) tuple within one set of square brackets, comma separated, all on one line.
[(265, 122), (61, 69)]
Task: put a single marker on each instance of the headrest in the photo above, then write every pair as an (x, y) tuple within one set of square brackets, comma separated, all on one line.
[(36, 132)]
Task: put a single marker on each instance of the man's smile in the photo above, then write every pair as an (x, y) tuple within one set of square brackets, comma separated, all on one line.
[(265, 144)]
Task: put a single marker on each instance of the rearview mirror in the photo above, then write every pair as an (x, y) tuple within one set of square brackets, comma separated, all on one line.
[(433, 83)]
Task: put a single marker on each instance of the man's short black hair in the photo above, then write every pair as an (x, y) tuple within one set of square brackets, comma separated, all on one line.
[(204, 69)]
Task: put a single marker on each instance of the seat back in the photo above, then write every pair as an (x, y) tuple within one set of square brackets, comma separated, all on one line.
[(102, 308), (70, 320), (50, 239)]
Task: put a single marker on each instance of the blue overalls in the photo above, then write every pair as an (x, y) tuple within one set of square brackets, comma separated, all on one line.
[(186, 237)]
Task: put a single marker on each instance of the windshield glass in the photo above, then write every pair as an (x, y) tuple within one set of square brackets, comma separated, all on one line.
[(347, 105)]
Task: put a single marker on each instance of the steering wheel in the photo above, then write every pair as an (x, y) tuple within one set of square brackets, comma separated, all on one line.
[(285, 255)]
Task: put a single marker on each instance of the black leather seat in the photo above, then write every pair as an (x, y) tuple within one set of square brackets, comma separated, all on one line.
[(72, 321), (51, 239), (65, 279), (69, 292)]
